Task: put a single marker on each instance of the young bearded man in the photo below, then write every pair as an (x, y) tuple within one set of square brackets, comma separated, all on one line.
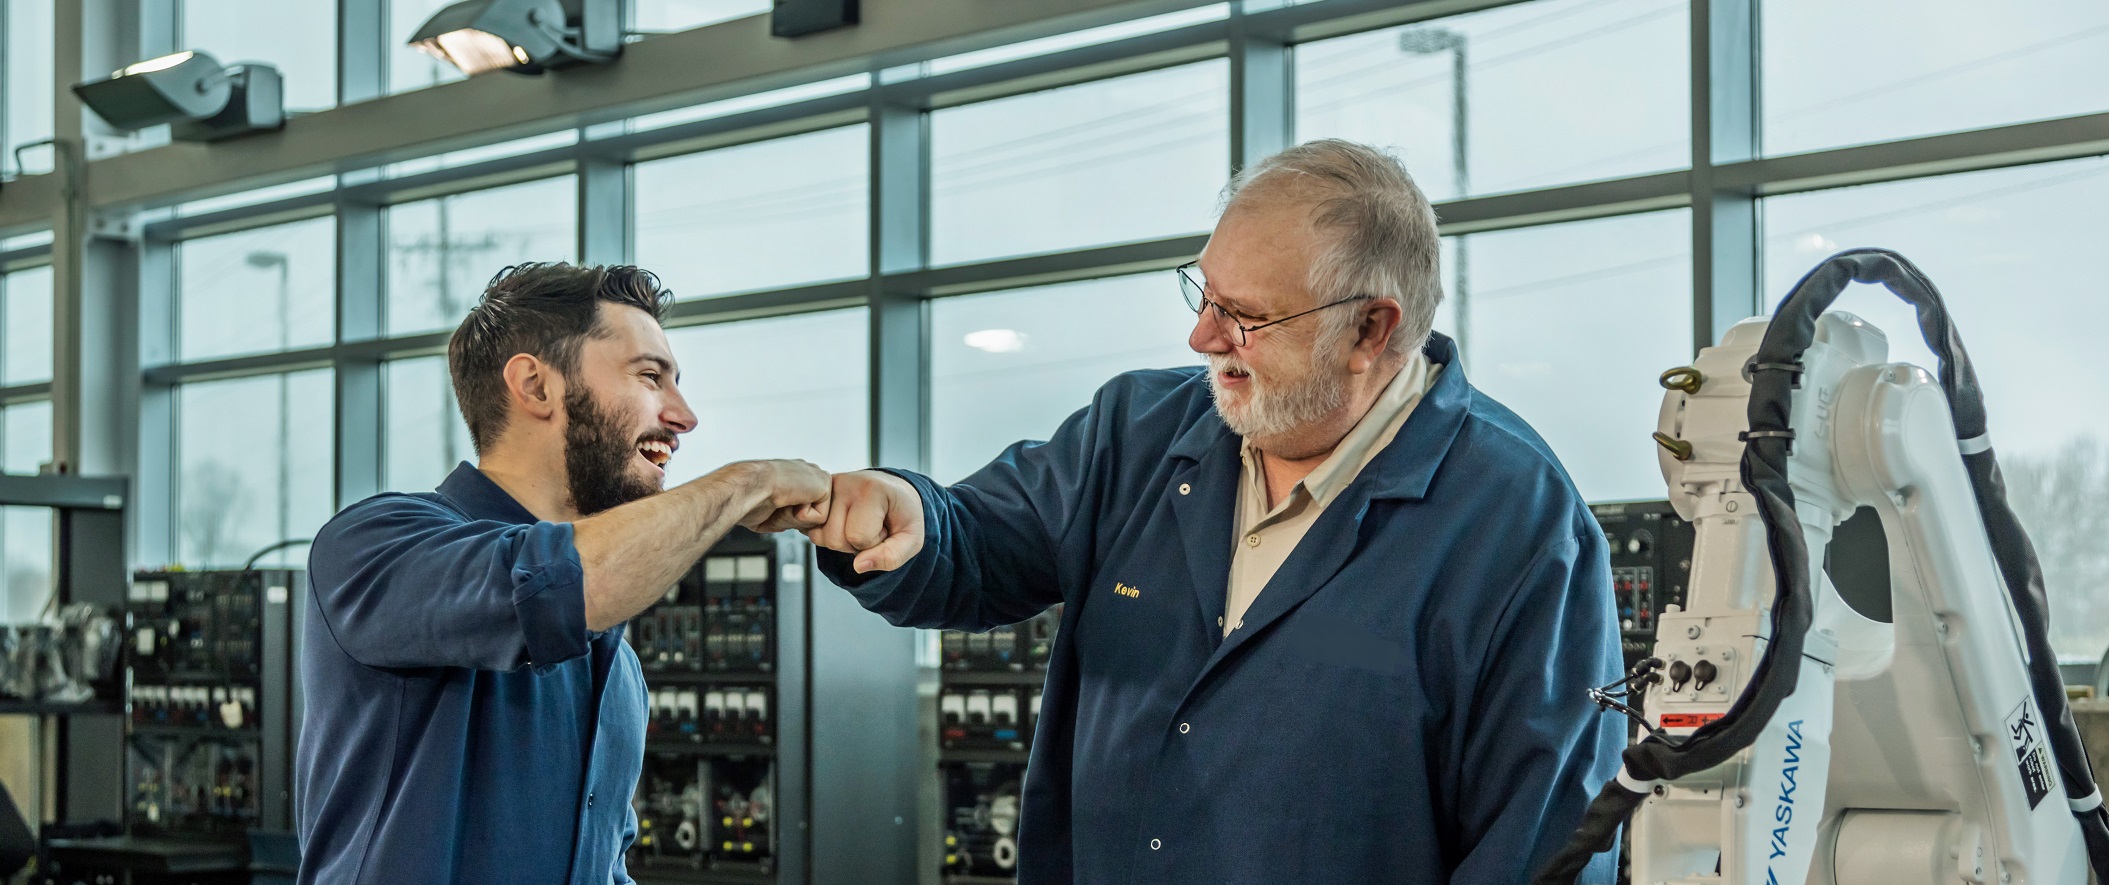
[(472, 713)]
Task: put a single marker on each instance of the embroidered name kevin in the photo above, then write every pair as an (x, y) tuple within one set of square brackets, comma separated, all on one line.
[(1127, 591)]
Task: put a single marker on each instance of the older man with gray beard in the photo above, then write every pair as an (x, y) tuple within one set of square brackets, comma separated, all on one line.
[(1331, 612)]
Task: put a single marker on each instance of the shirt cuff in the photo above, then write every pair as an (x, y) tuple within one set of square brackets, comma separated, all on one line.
[(549, 594)]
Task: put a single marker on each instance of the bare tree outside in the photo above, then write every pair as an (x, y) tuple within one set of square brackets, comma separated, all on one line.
[(2063, 501), (214, 498)]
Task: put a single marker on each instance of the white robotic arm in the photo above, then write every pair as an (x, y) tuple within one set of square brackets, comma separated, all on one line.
[(1912, 751)]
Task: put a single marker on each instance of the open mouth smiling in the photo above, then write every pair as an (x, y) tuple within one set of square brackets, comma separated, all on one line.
[(656, 453)]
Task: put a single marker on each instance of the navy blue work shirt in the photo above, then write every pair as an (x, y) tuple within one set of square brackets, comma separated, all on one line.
[(462, 724), (1405, 702)]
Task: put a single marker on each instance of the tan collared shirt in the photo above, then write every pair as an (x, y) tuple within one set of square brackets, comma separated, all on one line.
[(1265, 537)]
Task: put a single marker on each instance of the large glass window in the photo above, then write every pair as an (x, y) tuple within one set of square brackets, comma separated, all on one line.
[(443, 251), (300, 39), (25, 436), (1008, 366), (1530, 95), (1936, 66), (1131, 158), (423, 434), (25, 532), (2017, 256), (1570, 325), (25, 326), (752, 402), (26, 88), (255, 466), (776, 213), (268, 289)]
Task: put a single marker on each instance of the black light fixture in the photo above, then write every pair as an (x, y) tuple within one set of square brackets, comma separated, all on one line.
[(525, 36), (797, 18), (205, 101)]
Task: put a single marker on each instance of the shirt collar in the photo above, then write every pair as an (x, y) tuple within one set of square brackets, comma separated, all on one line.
[(477, 496)]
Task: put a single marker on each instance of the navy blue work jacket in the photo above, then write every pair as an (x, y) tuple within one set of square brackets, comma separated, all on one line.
[(1405, 702), (461, 725)]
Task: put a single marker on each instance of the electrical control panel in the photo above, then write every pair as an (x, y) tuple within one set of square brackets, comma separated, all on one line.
[(195, 785), (211, 701), (721, 796), (705, 813), (720, 618), (1651, 567), (995, 717), (723, 713), (987, 709), (1014, 648), (981, 818)]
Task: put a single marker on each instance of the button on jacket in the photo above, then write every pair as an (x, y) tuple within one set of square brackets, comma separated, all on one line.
[(1404, 701), (462, 725)]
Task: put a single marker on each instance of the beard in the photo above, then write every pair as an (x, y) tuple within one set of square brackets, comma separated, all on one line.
[(1292, 397), (598, 456)]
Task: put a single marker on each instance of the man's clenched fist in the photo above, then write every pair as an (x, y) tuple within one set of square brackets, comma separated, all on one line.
[(790, 495), (877, 516)]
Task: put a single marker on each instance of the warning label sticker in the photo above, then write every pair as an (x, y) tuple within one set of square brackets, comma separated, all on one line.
[(1688, 720), (2025, 733)]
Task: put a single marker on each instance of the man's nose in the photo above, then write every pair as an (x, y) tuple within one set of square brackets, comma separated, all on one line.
[(677, 415), (1207, 336)]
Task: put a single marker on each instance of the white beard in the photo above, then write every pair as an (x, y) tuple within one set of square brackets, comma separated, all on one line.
[(1302, 399)]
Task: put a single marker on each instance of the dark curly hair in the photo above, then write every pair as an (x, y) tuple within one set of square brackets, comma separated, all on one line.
[(546, 309)]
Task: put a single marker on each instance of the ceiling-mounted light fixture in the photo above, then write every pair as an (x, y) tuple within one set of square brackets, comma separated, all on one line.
[(204, 100), (797, 18), (527, 36)]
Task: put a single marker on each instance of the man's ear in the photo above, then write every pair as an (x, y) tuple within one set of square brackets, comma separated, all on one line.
[(534, 386), (1373, 334)]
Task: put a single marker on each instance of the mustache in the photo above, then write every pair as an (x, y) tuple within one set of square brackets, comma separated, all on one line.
[(1226, 363)]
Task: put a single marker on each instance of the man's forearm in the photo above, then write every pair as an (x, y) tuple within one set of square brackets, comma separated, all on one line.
[(633, 553)]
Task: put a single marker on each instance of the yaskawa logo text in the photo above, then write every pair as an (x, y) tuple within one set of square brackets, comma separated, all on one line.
[(1783, 811)]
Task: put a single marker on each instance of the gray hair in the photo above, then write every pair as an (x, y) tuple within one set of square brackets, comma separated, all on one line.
[(1382, 230)]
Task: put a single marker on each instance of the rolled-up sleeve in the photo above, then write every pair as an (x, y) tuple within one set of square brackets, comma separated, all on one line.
[(403, 582)]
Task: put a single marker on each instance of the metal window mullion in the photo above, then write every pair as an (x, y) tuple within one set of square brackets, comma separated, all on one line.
[(1262, 94), (7, 143), (604, 216), (155, 485), (1725, 121), (362, 67), (900, 227), (361, 255)]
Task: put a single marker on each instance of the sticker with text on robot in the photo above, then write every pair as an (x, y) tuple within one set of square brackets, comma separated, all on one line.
[(2030, 753)]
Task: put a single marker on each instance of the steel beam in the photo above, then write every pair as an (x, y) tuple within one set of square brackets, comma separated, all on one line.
[(2064, 138), (660, 73), (1036, 270), (1574, 202)]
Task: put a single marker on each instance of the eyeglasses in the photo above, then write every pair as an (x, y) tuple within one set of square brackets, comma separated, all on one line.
[(1196, 291)]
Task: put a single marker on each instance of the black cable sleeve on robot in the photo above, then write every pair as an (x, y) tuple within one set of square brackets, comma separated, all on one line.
[(1597, 834), (2011, 547)]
